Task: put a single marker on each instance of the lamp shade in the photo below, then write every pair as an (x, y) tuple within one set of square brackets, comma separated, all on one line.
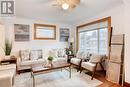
[(71, 39)]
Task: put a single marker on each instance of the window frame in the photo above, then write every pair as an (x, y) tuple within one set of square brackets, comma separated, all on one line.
[(107, 19)]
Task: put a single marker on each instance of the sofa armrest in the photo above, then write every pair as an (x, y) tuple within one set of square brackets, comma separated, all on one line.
[(5, 81), (18, 61)]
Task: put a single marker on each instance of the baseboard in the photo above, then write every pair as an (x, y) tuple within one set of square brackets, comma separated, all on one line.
[(127, 84)]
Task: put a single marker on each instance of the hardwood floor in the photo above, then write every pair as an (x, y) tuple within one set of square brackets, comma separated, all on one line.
[(108, 84), (101, 76)]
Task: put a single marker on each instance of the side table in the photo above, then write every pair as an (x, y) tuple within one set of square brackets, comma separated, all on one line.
[(69, 56), (11, 60)]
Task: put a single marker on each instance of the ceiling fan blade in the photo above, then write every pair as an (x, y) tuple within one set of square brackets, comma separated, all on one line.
[(77, 1), (74, 2), (55, 3), (72, 6)]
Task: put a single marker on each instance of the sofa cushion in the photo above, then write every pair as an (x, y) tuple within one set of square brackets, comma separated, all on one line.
[(75, 61), (5, 81), (35, 54), (95, 58), (7, 72), (60, 59), (88, 65), (7, 75), (53, 53), (9, 66), (30, 62), (45, 53), (24, 55)]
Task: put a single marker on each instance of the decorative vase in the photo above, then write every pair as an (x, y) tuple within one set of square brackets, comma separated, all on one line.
[(7, 57), (50, 63)]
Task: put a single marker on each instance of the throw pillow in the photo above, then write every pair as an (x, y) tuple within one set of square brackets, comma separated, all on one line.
[(35, 54), (40, 54), (45, 53), (95, 58), (24, 55), (53, 53), (61, 52), (86, 56)]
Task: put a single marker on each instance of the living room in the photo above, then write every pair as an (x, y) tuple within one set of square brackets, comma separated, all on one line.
[(77, 32)]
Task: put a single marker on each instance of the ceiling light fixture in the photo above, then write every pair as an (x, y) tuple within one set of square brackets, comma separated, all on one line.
[(65, 6)]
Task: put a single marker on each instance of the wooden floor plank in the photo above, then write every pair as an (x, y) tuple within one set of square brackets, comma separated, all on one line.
[(101, 76)]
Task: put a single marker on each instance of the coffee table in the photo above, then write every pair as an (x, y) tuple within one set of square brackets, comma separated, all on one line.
[(40, 69)]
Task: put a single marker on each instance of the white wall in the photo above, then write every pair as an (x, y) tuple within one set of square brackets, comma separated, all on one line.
[(117, 17), (32, 44), (127, 44), (2, 34)]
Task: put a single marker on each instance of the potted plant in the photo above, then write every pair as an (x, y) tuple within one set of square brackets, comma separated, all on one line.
[(7, 48), (50, 59), (68, 51)]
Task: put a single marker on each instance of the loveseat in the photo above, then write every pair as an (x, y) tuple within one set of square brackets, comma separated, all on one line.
[(38, 56)]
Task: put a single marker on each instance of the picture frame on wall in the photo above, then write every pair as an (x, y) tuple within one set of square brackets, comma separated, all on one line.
[(21, 32), (64, 34), (44, 32)]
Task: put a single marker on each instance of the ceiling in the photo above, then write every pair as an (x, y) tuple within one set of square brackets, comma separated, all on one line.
[(43, 10)]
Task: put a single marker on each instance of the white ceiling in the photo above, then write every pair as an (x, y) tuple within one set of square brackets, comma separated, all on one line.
[(43, 10)]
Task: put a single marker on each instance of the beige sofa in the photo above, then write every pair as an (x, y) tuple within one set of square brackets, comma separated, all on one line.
[(38, 56), (7, 73)]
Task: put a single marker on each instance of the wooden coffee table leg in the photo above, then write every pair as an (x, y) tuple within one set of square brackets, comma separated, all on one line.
[(33, 80), (31, 74), (70, 72)]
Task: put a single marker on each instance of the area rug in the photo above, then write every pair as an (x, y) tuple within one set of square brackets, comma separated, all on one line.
[(56, 79)]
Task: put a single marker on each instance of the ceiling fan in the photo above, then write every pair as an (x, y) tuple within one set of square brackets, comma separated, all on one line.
[(66, 4)]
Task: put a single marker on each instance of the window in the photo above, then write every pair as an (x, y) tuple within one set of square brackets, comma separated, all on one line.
[(103, 41), (94, 36), (94, 41)]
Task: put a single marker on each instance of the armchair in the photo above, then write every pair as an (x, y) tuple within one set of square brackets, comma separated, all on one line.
[(77, 60), (91, 65)]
